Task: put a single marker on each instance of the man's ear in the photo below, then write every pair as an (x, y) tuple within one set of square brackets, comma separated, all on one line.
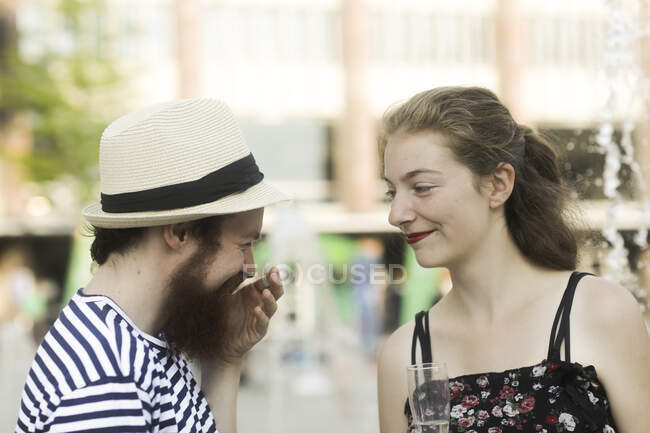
[(502, 181), (175, 235)]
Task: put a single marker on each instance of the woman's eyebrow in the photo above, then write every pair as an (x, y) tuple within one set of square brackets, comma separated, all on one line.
[(414, 173)]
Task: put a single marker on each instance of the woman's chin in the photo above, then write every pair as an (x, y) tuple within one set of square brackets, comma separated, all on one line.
[(427, 261)]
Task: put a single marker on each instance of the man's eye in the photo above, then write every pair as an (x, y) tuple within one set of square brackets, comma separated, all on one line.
[(247, 246), (390, 195)]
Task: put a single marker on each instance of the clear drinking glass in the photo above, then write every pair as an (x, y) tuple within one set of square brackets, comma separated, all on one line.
[(428, 387)]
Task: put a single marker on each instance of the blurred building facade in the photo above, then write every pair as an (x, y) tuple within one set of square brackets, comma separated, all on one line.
[(332, 67), (310, 80), (285, 59)]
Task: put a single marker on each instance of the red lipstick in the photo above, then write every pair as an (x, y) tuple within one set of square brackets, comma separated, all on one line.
[(416, 237)]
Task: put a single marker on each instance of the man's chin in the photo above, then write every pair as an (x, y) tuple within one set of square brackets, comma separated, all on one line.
[(196, 315)]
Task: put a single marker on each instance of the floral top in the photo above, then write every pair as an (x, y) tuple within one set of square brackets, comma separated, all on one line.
[(551, 397)]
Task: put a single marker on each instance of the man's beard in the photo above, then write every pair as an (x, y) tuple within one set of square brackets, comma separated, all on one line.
[(196, 314)]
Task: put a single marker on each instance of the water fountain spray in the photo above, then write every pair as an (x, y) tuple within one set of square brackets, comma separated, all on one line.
[(625, 94)]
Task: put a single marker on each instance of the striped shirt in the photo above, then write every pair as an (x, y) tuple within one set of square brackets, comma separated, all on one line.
[(95, 371)]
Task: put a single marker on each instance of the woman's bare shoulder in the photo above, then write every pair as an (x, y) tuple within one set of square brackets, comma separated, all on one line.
[(397, 347), (605, 316), (608, 331), (600, 303), (394, 357)]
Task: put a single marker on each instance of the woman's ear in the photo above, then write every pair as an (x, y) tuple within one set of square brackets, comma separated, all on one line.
[(502, 181)]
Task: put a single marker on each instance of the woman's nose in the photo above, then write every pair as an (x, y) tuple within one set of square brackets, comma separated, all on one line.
[(401, 212)]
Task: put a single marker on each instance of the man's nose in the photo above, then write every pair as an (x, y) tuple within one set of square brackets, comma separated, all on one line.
[(249, 262)]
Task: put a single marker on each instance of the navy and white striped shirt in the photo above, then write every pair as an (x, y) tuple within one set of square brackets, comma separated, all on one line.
[(95, 371)]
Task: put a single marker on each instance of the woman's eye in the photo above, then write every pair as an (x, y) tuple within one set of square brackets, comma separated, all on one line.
[(390, 195), (420, 189)]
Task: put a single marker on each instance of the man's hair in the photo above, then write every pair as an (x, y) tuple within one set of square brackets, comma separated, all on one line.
[(120, 241)]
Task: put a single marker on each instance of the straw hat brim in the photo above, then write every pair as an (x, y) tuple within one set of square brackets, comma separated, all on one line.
[(255, 197)]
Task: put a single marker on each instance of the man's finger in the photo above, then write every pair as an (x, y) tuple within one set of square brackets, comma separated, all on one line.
[(261, 284), (275, 283), (269, 305), (262, 322)]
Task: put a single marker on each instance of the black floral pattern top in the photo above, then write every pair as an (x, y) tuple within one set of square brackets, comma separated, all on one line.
[(553, 396)]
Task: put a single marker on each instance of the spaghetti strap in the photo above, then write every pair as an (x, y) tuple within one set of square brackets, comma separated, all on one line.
[(562, 317), (414, 342), (427, 353), (422, 335)]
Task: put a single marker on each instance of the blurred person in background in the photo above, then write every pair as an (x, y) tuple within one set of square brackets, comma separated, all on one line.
[(26, 299), (393, 299), (182, 203), (481, 195), (16, 280), (367, 293)]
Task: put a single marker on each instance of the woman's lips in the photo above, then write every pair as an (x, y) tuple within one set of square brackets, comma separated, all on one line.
[(417, 237)]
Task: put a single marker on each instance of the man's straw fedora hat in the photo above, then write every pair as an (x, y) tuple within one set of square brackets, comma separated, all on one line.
[(173, 162)]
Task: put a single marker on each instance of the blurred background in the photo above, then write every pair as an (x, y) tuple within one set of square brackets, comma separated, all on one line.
[(309, 81)]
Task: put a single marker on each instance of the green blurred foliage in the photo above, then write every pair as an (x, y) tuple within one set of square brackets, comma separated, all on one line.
[(64, 98)]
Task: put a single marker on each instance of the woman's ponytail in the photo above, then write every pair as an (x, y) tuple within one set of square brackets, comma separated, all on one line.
[(534, 211)]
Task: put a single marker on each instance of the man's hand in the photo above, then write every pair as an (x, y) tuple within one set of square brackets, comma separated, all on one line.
[(249, 310)]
